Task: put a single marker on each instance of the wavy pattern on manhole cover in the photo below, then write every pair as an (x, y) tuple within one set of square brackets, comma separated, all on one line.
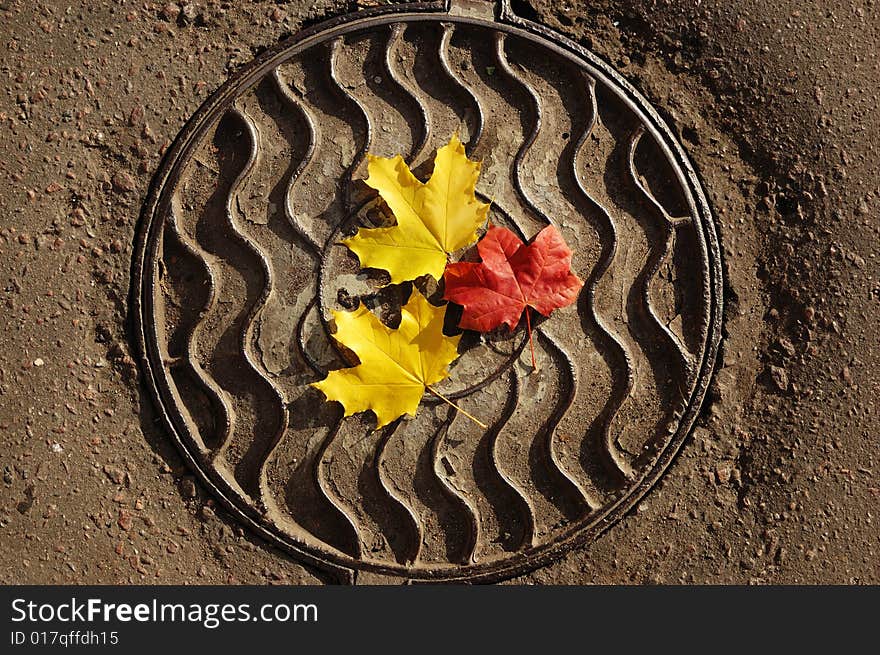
[(239, 267)]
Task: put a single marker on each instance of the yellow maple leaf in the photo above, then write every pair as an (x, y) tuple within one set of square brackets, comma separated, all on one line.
[(433, 219), (396, 366)]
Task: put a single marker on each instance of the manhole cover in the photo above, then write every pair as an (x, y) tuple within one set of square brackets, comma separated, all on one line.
[(238, 268)]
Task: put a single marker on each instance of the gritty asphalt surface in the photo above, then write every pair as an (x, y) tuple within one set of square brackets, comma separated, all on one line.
[(777, 107)]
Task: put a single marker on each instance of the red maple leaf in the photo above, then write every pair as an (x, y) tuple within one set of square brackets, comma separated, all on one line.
[(512, 277)]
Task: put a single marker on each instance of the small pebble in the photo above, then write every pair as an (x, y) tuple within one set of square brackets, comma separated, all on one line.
[(779, 377), (123, 182), (787, 347), (170, 12), (188, 488)]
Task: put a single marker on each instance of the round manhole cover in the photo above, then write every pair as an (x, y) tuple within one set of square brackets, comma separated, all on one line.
[(238, 267)]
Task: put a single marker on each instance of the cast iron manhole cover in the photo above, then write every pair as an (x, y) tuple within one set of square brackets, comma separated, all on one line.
[(238, 268)]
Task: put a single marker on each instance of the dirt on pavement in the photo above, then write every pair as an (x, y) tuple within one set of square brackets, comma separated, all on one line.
[(775, 104)]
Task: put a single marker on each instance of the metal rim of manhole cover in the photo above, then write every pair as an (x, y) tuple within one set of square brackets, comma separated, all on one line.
[(238, 266)]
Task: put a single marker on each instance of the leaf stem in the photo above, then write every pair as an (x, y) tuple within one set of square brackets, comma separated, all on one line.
[(531, 343), (452, 404)]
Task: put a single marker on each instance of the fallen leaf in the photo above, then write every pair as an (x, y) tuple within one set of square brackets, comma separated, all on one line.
[(433, 219), (396, 366), (512, 277)]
